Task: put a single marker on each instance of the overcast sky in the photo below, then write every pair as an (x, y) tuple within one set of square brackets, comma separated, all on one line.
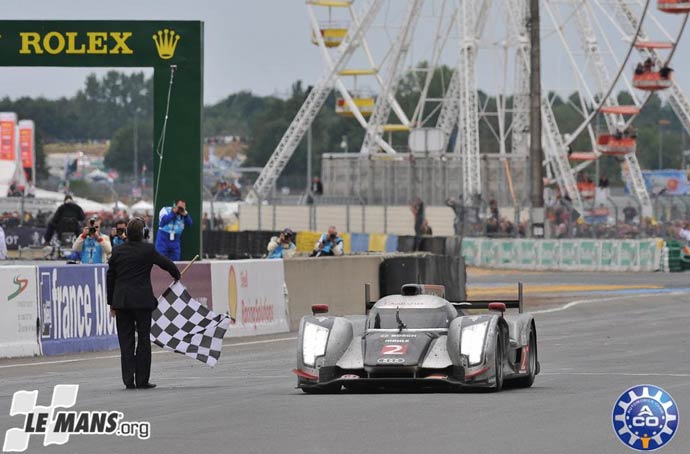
[(257, 45)]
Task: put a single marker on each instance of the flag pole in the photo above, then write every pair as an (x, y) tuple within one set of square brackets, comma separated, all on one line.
[(196, 257)]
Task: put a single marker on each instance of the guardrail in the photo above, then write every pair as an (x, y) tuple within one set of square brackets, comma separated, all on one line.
[(576, 255), (58, 309)]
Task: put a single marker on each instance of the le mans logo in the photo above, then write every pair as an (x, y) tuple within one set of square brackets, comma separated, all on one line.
[(21, 286), (57, 421), (93, 43), (645, 418)]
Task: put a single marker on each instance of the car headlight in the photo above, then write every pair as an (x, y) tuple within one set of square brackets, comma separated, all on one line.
[(313, 343), (472, 342)]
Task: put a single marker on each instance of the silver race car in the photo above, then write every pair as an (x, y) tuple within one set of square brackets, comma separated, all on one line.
[(418, 338)]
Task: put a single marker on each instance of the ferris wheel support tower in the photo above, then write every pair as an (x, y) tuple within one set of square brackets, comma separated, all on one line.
[(382, 108), (311, 107)]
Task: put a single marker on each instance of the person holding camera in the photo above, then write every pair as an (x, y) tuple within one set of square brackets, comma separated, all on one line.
[(282, 247), (92, 245), (66, 219), (171, 223), (118, 234), (330, 244)]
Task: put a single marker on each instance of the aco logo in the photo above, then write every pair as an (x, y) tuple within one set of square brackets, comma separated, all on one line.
[(232, 294), (645, 418), (21, 286)]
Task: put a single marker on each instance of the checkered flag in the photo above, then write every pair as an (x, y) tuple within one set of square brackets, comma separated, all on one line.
[(181, 324)]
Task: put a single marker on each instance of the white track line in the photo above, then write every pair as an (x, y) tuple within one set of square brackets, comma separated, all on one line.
[(93, 358), (601, 300)]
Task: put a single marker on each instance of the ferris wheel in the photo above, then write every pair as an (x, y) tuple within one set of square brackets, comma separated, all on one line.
[(591, 51)]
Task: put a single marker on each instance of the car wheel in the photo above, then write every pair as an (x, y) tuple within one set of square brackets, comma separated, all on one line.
[(528, 380), (498, 368)]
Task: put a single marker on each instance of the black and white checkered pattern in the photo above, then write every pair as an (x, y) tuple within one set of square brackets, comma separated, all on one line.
[(181, 324)]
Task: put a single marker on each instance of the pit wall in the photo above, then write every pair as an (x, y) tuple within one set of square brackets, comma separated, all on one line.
[(57, 309)]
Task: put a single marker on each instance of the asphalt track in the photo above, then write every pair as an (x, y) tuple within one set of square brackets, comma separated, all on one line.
[(593, 345)]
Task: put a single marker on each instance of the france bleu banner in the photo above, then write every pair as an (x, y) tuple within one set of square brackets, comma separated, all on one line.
[(73, 310)]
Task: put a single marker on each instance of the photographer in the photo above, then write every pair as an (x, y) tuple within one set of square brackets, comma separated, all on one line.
[(282, 247), (171, 223), (65, 220), (118, 234), (93, 246), (329, 244)]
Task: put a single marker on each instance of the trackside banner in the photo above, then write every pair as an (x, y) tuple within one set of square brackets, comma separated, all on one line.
[(251, 292), (576, 254), (73, 309), (19, 313)]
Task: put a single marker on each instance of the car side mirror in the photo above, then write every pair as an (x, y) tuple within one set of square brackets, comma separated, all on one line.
[(319, 309), (499, 307)]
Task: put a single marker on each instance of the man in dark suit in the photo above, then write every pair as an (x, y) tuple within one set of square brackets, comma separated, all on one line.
[(131, 300)]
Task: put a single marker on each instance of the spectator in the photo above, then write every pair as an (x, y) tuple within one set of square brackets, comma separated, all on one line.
[(426, 228), (92, 245), (665, 72), (459, 209), (66, 219), (648, 65), (417, 209), (316, 186), (493, 210), (329, 244), (3, 245), (118, 234), (684, 232), (171, 223), (629, 213), (282, 246), (604, 182), (205, 222)]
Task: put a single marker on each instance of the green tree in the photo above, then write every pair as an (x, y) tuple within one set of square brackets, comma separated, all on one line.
[(120, 155)]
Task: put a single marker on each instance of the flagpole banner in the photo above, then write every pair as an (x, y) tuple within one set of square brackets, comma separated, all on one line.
[(252, 292), (8, 123), (182, 325)]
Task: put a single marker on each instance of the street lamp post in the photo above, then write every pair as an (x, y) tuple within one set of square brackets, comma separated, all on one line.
[(536, 152), (663, 122), (136, 149)]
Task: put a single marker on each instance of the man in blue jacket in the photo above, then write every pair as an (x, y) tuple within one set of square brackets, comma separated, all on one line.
[(171, 222)]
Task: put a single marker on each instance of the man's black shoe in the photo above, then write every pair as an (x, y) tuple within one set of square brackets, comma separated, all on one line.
[(131, 387), (146, 386)]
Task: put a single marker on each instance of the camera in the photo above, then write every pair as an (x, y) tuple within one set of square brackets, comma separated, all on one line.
[(120, 231), (332, 236), (92, 227)]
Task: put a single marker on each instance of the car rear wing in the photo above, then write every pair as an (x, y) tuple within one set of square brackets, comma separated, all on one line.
[(469, 304), (484, 304)]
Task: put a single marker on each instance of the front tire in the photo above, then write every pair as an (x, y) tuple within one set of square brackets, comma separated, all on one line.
[(528, 380), (498, 367)]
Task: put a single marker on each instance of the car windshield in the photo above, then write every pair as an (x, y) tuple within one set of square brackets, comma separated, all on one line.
[(411, 318)]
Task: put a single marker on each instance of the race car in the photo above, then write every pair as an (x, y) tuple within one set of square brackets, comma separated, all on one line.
[(420, 339)]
